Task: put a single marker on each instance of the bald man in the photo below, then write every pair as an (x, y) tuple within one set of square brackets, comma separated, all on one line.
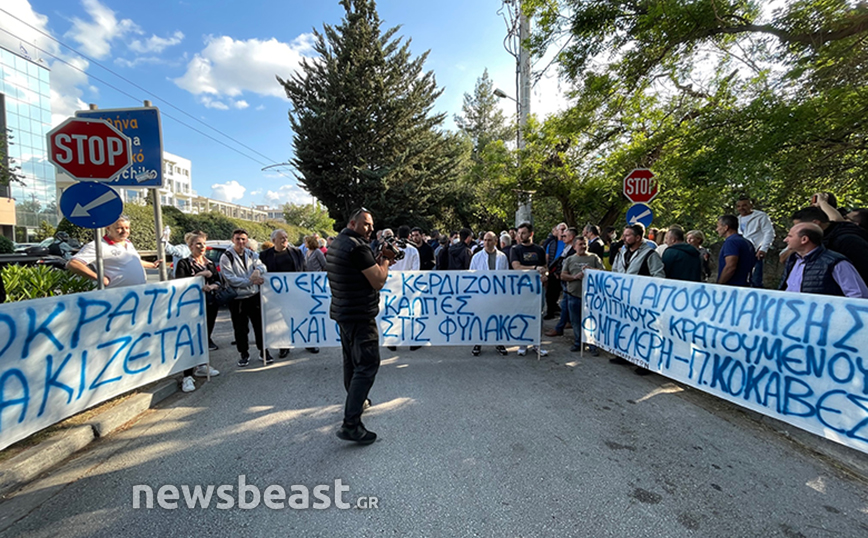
[(814, 269)]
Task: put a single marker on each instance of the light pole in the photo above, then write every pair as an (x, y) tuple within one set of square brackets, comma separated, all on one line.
[(524, 212), (278, 165)]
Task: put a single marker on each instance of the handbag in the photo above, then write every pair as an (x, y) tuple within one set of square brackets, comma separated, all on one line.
[(224, 295)]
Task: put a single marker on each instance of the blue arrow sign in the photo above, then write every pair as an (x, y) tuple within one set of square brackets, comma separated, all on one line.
[(142, 126), (640, 214), (91, 204)]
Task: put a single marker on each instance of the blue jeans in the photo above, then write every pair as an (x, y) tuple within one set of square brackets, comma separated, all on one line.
[(574, 306), (756, 278), (565, 316)]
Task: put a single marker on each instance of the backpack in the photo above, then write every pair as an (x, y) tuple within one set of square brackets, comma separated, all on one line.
[(54, 248)]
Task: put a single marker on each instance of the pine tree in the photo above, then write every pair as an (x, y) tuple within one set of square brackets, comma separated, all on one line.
[(364, 132), (481, 118)]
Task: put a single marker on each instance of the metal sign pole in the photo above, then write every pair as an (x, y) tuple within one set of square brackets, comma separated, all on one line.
[(158, 224), (100, 273)]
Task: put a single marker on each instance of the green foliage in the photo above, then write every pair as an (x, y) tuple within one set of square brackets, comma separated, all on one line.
[(38, 281), (364, 132), (6, 246), (311, 217), (44, 231), (10, 171)]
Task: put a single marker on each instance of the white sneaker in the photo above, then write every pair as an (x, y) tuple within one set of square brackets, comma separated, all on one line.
[(187, 385), (532, 349), (202, 371), (522, 351)]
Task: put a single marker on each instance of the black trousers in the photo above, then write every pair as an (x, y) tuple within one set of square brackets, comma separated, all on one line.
[(211, 316), (242, 311), (360, 342), (553, 295)]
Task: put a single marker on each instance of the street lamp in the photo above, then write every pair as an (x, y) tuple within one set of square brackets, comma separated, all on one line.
[(313, 200), (524, 211)]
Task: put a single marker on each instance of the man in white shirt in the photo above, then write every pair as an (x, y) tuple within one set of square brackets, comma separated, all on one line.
[(489, 259), (755, 226), (122, 265)]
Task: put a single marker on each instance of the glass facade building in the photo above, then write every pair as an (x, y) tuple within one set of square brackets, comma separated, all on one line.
[(24, 85)]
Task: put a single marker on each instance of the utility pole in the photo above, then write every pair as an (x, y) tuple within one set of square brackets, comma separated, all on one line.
[(524, 212)]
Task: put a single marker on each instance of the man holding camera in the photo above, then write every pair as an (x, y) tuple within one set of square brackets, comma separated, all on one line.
[(356, 278)]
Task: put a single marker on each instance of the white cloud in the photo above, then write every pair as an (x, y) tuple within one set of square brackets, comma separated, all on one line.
[(256, 192), (94, 37), (291, 193), (123, 62), (240, 104), (156, 44), (211, 103), (228, 68), (228, 192)]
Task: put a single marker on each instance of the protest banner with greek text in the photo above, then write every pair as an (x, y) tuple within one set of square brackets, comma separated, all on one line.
[(62, 355), (443, 308), (796, 357)]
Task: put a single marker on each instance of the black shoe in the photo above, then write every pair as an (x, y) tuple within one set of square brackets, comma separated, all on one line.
[(476, 350), (358, 434), (502, 350), (618, 360), (212, 346), (642, 371), (244, 360), (268, 358), (313, 350), (392, 348), (414, 348), (575, 348), (594, 351), (283, 353)]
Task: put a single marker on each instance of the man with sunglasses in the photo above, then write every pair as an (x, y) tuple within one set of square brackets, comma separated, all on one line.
[(356, 278)]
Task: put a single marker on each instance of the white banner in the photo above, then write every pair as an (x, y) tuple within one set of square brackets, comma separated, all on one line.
[(796, 357), (440, 308), (62, 355)]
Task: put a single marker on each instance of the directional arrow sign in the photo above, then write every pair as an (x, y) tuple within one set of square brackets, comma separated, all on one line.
[(91, 205), (639, 214)]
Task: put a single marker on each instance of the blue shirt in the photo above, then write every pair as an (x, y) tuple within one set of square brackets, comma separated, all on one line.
[(736, 245)]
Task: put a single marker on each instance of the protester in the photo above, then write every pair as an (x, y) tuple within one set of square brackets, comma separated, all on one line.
[(457, 257), (573, 275), (284, 258), (489, 259), (198, 265), (638, 257), (410, 261), (122, 265), (314, 258), (695, 238), (441, 260), (242, 269), (526, 256), (426, 253), (177, 252), (815, 269), (356, 279), (681, 261), (553, 247), (505, 244), (737, 256), (596, 245), (756, 227), (842, 237), (568, 237)]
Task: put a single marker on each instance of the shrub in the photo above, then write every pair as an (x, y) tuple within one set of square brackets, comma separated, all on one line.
[(24, 282), (6, 246)]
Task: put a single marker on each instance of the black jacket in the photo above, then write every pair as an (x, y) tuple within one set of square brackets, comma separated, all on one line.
[(850, 240), (682, 261), (457, 257), (294, 263), (354, 300)]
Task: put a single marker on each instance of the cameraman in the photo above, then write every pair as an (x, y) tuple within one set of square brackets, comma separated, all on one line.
[(356, 278)]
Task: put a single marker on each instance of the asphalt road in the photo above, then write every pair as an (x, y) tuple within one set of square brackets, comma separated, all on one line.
[(469, 446)]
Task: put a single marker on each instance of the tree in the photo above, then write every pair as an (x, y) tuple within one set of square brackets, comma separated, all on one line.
[(309, 216), (481, 118), (10, 171), (364, 132)]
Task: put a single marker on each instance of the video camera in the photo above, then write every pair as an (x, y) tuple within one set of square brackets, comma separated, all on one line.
[(392, 245)]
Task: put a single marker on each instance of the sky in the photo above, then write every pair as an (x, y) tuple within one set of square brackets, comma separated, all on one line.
[(211, 65)]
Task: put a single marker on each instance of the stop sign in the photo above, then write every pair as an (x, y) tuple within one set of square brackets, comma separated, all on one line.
[(640, 186), (89, 150)]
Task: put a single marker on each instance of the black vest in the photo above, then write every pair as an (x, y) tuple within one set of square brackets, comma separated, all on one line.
[(817, 275), (353, 297)]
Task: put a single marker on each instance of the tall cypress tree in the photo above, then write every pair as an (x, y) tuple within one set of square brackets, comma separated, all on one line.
[(364, 132)]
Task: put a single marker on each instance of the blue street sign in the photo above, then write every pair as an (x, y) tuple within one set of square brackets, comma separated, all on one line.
[(142, 126), (91, 204), (640, 214)]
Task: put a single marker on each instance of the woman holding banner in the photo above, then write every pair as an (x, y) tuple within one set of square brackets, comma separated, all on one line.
[(198, 265)]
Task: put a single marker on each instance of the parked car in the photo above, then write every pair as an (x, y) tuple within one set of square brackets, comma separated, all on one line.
[(215, 249)]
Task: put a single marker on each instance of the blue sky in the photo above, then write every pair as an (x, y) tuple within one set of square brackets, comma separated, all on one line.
[(216, 61)]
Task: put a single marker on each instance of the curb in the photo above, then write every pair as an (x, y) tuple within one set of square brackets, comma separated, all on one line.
[(28, 465)]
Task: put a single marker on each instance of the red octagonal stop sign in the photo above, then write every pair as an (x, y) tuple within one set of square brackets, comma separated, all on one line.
[(640, 186), (89, 149)]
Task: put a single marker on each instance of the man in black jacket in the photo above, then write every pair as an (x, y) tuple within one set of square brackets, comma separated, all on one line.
[(426, 253), (457, 257), (356, 278), (842, 237), (681, 261)]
